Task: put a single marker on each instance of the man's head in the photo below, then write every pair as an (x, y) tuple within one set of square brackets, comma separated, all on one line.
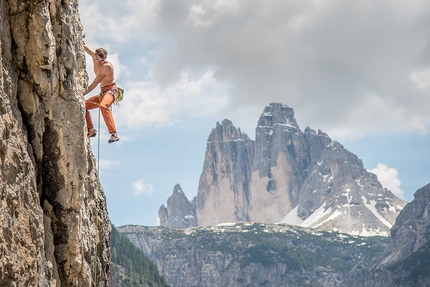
[(101, 53)]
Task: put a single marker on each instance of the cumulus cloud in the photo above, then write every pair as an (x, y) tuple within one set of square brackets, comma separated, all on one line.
[(148, 104), (388, 177), (141, 187), (108, 164), (346, 67), (421, 78)]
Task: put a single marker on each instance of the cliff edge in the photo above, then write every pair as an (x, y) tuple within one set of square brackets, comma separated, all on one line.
[(53, 219)]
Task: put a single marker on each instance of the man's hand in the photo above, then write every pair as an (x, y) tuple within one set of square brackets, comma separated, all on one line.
[(88, 50)]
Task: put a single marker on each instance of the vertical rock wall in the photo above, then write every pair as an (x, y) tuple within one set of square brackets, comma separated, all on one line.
[(54, 226), (224, 183), (280, 165)]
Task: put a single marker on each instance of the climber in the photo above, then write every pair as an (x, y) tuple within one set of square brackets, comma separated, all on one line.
[(105, 77)]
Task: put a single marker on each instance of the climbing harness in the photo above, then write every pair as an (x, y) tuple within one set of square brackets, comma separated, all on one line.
[(112, 88), (116, 91)]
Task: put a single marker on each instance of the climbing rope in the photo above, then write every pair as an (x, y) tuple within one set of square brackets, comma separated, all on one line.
[(97, 201)]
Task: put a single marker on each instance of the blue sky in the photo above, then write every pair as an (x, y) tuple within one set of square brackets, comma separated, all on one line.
[(357, 70)]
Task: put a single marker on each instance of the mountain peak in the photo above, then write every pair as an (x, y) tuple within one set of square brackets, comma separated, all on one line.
[(180, 212), (278, 115), (289, 176), (225, 132)]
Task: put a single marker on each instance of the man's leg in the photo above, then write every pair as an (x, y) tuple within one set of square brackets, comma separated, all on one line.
[(105, 104), (91, 103)]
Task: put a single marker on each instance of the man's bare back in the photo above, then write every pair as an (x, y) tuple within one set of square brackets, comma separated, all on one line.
[(104, 68)]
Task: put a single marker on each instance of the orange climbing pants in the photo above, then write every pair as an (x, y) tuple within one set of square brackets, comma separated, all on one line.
[(104, 102)]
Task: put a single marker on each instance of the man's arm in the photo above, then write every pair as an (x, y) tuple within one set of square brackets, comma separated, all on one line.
[(89, 51)]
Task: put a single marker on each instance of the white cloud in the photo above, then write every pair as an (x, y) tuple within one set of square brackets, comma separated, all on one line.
[(120, 69), (388, 177), (135, 19), (108, 164), (147, 104), (195, 16), (140, 187), (346, 67), (421, 78)]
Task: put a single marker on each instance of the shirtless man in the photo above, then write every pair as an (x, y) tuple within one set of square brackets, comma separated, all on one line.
[(105, 77)]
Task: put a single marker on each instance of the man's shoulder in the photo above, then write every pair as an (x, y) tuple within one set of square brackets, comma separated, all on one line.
[(107, 65)]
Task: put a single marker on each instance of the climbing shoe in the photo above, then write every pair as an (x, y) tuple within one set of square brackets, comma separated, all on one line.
[(91, 133), (113, 138)]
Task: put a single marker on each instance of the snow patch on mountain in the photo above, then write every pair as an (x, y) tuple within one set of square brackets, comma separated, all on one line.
[(372, 208), (316, 216), (292, 218)]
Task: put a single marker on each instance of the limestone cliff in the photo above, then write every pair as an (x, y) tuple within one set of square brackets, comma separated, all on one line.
[(252, 254), (224, 184), (287, 175), (406, 259), (53, 218)]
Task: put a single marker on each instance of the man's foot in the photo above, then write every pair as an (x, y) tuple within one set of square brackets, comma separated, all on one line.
[(113, 138), (92, 133)]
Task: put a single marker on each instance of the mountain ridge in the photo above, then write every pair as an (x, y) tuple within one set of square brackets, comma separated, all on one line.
[(252, 254), (405, 259), (256, 254), (285, 175)]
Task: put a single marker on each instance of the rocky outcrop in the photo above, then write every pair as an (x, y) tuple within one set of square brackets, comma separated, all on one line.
[(406, 259), (53, 218), (246, 254), (290, 176), (180, 212), (339, 193)]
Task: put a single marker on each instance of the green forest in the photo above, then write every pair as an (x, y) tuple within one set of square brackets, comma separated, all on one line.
[(130, 266)]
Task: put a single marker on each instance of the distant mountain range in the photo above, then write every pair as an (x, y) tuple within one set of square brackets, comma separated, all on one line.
[(253, 254), (272, 255), (285, 176), (239, 229)]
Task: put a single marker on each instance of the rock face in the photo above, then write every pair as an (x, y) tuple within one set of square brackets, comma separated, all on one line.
[(247, 254), (340, 193), (289, 176), (225, 183), (54, 224), (280, 164), (406, 259), (180, 212)]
